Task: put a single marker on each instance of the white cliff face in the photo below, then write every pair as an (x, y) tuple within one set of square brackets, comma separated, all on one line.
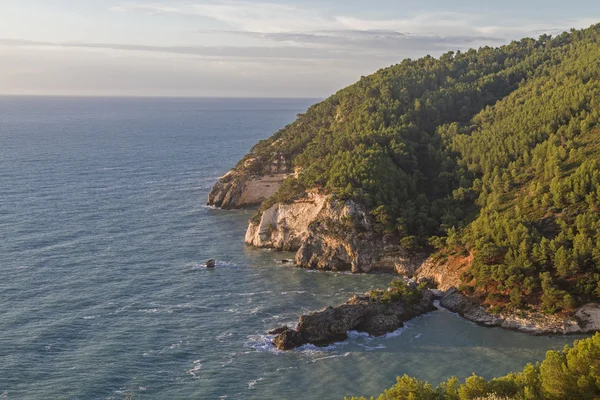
[(329, 235), (235, 190), (250, 184), (285, 226), (259, 188)]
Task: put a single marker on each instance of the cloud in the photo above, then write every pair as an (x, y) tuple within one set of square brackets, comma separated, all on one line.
[(206, 52), (294, 25), (252, 48), (373, 41), (243, 15)]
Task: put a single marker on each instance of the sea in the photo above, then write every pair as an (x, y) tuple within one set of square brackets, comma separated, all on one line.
[(103, 294)]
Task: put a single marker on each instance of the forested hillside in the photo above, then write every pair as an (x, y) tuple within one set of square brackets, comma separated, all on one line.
[(491, 152)]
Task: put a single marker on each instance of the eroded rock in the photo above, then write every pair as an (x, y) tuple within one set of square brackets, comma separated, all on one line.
[(585, 320), (360, 313)]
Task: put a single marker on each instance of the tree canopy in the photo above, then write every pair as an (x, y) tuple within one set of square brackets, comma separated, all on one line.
[(573, 374)]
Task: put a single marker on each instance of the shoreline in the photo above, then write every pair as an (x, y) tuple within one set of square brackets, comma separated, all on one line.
[(369, 316)]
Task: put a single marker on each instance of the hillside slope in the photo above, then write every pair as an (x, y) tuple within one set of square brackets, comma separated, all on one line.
[(489, 154)]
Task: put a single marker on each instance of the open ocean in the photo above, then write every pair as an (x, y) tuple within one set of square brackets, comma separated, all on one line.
[(103, 230)]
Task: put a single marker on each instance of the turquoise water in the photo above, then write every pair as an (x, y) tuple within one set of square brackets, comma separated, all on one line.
[(102, 231)]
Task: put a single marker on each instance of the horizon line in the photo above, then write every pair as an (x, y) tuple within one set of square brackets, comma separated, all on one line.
[(92, 96)]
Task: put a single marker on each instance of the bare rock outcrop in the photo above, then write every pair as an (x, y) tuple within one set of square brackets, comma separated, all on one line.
[(250, 183), (237, 190), (285, 226), (585, 320), (330, 235), (446, 273), (360, 313)]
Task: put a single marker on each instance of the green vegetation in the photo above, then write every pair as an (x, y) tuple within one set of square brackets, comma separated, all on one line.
[(491, 152), (573, 373), (400, 290)]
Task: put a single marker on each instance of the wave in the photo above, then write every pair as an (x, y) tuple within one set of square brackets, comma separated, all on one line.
[(253, 383), (397, 332), (149, 310), (370, 348), (223, 336), (330, 357), (196, 370)]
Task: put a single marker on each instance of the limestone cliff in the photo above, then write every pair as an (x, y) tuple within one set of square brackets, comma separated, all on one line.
[(249, 184), (330, 235), (286, 226)]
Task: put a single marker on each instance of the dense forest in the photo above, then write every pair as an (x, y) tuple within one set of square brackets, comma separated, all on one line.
[(491, 152), (573, 373)]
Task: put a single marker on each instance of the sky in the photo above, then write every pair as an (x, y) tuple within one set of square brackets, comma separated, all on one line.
[(248, 48)]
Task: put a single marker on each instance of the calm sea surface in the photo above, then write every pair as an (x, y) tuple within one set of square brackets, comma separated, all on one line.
[(102, 230)]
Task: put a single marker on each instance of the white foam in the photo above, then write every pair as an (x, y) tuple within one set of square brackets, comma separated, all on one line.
[(254, 293), (297, 292), (253, 383), (196, 370), (312, 349), (261, 343), (90, 317), (357, 334), (396, 333), (330, 357), (223, 336), (149, 310), (254, 311), (371, 348)]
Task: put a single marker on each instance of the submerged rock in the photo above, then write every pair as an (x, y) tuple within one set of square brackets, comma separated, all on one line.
[(360, 313), (210, 263)]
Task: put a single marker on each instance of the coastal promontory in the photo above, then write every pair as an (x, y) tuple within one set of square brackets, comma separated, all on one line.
[(478, 170)]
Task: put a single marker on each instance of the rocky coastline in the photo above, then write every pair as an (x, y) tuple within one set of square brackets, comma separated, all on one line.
[(377, 317), (585, 320), (333, 235)]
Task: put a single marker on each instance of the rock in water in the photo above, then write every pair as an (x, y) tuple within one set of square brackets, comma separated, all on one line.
[(361, 313), (279, 330), (210, 263), (288, 340)]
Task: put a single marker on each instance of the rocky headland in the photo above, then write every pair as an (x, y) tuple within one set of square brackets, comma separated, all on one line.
[(455, 170), (375, 313), (333, 235), (325, 233)]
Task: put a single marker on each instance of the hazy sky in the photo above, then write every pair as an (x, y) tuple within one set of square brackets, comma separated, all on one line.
[(286, 48)]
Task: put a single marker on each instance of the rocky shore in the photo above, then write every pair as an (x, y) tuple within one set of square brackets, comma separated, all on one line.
[(368, 313), (585, 320), (329, 234), (377, 316)]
